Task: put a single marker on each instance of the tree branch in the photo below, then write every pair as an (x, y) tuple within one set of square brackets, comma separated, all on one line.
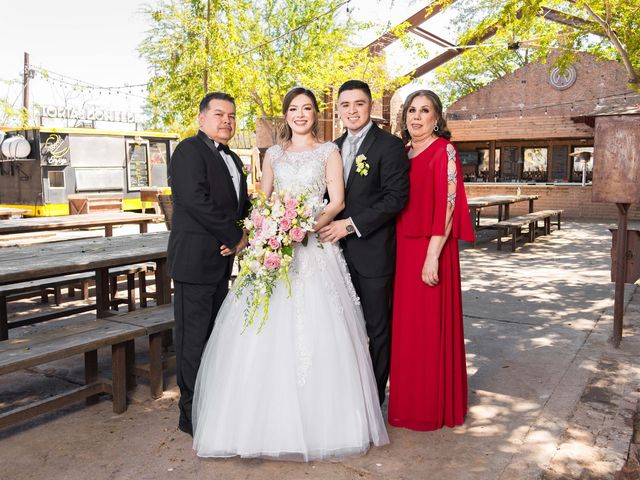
[(634, 77)]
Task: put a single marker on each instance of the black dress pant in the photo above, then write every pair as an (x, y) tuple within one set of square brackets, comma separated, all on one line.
[(195, 308), (375, 297)]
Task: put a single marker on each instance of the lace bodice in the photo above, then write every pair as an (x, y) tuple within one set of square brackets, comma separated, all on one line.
[(301, 172)]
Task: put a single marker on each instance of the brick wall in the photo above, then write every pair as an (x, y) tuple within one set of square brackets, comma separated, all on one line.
[(575, 200), (529, 88)]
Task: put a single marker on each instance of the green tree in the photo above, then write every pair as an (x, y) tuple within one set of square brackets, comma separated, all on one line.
[(524, 33), (254, 50), (9, 114)]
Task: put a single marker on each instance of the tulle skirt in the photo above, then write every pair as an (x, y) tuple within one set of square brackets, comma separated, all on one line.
[(301, 389)]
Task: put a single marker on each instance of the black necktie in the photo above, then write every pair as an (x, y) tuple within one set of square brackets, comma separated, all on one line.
[(224, 148)]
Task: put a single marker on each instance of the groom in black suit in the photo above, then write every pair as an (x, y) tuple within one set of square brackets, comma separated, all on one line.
[(376, 170), (210, 198)]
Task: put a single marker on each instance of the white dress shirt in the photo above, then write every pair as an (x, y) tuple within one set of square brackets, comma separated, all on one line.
[(347, 154), (233, 170)]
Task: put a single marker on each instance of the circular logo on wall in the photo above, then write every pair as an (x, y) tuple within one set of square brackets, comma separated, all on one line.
[(562, 80)]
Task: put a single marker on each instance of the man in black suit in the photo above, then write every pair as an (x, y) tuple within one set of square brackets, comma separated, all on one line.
[(376, 170), (210, 199)]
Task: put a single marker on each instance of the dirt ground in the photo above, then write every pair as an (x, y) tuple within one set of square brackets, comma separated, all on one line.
[(550, 397)]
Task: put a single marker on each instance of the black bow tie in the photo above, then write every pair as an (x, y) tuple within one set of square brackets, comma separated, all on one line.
[(224, 148)]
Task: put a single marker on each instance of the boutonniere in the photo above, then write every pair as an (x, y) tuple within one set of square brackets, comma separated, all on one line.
[(362, 167), (245, 170)]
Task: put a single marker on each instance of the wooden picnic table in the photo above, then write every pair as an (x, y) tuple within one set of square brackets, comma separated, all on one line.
[(19, 264), (501, 201), (10, 212), (68, 222)]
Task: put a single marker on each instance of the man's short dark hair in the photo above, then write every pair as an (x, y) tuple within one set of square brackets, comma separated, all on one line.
[(355, 85), (204, 103)]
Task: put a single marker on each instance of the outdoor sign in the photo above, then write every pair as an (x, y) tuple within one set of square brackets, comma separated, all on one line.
[(138, 165), (616, 163), (91, 114), (54, 149)]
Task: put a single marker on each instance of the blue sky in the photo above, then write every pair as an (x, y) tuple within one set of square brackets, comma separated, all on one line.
[(96, 41)]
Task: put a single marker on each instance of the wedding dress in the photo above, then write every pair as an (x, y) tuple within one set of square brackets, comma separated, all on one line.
[(303, 387)]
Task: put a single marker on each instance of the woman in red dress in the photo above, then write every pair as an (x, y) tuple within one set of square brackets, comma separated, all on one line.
[(428, 382)]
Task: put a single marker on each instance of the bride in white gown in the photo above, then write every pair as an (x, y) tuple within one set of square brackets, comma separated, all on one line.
[(303, 388)]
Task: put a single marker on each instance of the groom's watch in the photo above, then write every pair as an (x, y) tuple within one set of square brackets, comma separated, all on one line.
[(350, 228)]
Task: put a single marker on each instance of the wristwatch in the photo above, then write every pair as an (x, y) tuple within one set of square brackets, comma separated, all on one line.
[(350, 228)]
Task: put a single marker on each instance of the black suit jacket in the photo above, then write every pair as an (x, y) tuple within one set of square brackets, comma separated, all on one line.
[(373, 201), (206, 211)]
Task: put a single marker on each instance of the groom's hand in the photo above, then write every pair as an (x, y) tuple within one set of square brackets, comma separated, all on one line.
[(242, 244), (226, 251), (334, 231)]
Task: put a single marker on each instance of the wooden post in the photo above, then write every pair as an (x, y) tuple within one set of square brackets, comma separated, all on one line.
[(621, 273), (25, 87), (492, 161), (119, 377)]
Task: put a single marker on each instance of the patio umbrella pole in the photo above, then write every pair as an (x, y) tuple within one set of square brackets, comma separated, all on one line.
[(621, 272)]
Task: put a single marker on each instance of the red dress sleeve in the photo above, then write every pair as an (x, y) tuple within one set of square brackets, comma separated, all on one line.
[(426, 211), (461, 227)]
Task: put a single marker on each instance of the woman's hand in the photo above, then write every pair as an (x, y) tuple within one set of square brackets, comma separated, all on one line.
[(430, 270)]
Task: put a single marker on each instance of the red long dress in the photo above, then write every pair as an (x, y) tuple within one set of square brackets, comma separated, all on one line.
[(428, 380)]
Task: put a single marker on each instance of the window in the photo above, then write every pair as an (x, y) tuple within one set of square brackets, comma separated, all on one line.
[(56, 179), (535, 164), (577, 165), (157, 153)]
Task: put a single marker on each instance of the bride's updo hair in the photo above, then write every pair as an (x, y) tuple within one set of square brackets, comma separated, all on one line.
[(285, 133)]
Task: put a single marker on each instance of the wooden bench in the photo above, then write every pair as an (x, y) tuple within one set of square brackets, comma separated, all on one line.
[(26, 352), (54, 285), (513, 226), (156, 322)]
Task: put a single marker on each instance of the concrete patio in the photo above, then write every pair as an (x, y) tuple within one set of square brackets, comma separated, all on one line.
[(550, 398)]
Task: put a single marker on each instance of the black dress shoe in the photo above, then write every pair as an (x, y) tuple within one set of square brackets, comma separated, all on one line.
[(186, 428)]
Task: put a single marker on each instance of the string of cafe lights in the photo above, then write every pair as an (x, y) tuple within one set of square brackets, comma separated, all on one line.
[(627, 98), (128, 89), (76, 84)]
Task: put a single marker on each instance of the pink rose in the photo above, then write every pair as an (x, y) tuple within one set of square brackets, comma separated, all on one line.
[(257, 219), (290, 214), (307, 211), (285, 224), (272, 261), (274, 243), (297, 234), (291, 203)]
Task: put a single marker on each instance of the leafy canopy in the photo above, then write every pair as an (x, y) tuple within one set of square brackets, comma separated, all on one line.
[(253, 50)]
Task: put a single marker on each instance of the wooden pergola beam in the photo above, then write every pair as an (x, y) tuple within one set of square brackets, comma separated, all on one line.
[(546, 13), (451, 53), (414, 20), (563, 18)]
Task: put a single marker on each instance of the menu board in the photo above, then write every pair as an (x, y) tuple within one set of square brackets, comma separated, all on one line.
[(510, 157), (559, 163), (137, 165)]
